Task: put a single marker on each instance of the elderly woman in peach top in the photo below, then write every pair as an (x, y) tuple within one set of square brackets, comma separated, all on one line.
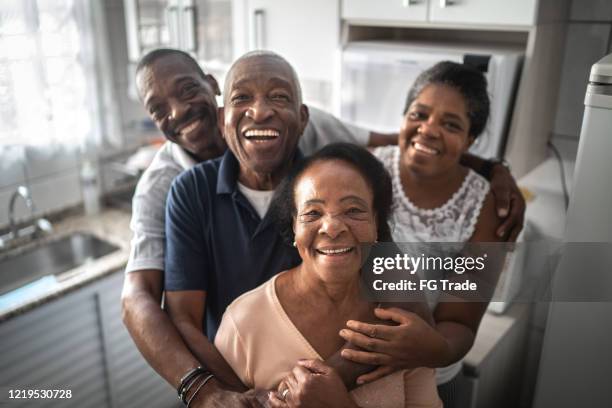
[(330, 204)]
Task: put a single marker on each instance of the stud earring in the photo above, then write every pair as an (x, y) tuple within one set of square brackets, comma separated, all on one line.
[(294, 244)]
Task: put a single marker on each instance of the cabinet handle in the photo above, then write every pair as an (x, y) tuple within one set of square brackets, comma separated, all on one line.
[(173, 25), (190, 29), (446, 3), (259, 17), (408, 3)]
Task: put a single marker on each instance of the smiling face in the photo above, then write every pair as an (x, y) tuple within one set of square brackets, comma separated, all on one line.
[(182, 104), (334, 214), (263, 117), (435, 131)]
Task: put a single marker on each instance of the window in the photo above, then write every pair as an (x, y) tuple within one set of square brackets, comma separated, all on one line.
[(47, 88)]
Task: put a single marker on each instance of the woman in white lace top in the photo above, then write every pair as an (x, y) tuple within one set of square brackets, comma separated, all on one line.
[(436, 199)]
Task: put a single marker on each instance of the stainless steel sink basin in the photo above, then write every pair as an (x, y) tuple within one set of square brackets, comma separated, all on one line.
[(51, 259)]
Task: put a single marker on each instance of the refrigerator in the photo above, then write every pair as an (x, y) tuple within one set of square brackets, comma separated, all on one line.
[(576, 363)]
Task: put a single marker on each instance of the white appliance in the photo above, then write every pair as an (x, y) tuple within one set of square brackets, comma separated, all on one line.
[(576, 358), (376, 77)]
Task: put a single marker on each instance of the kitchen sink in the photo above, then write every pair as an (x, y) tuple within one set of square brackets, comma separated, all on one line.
[(51, 259)]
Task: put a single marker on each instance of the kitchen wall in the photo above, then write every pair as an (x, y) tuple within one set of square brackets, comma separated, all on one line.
[(51, 173), (589, 38)]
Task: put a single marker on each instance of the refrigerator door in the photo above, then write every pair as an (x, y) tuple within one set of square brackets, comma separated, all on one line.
[(576, 358)]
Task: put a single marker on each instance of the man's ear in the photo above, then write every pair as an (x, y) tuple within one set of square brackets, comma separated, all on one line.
[(304, 116), (221, 120), (213, 84)]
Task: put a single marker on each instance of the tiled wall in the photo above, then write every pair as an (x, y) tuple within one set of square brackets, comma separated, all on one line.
[(589, 38), (51, 173)]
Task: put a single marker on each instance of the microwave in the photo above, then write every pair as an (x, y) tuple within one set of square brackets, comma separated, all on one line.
[(376, 76)]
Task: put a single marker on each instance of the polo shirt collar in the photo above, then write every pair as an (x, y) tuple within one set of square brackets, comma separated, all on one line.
[(229, 169), (181, 157)]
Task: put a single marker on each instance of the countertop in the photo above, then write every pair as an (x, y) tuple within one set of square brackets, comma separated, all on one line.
[(110, 225)]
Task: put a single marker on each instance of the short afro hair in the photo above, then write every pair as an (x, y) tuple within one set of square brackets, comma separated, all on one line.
[(468, 81), (152, 56)]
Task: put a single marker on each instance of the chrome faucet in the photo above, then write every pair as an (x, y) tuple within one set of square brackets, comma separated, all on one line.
[(37, 226), (24, 193)]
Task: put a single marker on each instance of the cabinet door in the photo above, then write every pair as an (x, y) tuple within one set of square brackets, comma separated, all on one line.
[(389, 10), (200, 27), (57, 346), (306, 33), (151, 24), (490, 12), (207, 31), (133, 382), (79, 343)]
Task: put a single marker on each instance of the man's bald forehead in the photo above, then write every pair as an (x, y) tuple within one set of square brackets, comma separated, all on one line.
[(264, 56)]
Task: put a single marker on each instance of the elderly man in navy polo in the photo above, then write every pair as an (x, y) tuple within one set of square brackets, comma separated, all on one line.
[(220, 241)]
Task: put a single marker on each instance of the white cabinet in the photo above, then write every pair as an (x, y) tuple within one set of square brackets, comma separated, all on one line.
[(200, 27), (306, 33), (390, 10), (146, 27), (503, 12), (443, 12)]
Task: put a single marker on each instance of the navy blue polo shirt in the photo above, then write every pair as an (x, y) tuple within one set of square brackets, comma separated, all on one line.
[(216, 241)]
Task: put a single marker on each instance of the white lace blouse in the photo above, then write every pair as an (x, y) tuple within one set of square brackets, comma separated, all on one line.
[(454, 221)]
